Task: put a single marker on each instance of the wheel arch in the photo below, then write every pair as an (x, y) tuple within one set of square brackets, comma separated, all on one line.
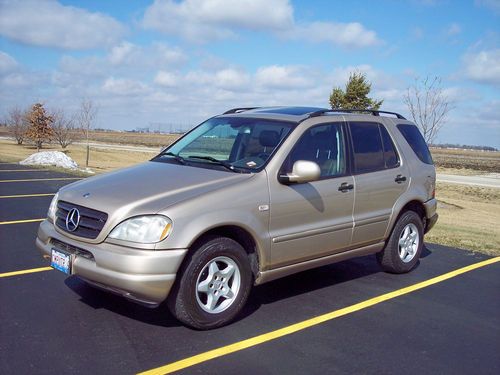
[(237, 234), (413, 205)]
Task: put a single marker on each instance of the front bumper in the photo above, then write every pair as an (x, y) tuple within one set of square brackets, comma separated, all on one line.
[(145, 276)]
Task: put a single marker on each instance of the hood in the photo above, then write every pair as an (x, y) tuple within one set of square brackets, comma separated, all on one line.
[(146, 188)]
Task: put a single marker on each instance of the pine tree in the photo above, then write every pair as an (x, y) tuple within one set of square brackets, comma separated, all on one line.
[(40, 125), (355, 95)]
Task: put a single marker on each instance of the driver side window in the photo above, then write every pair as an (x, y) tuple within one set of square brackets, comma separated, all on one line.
[(323, 145)]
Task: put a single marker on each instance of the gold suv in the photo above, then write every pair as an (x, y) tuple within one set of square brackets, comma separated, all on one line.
[(247, 197)]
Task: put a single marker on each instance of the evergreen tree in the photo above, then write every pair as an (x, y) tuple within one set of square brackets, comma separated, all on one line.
[(355, 95), (40, 125)]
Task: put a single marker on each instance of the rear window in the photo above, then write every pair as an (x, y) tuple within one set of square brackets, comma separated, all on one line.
[(416, 142)]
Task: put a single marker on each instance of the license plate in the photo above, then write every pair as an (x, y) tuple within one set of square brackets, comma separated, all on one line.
[(61, 261)]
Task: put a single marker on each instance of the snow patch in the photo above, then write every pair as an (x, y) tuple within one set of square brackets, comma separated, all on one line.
[(55, 158)]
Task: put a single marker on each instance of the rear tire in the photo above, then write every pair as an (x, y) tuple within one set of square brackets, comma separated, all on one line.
[(404, 246), (213, 284)]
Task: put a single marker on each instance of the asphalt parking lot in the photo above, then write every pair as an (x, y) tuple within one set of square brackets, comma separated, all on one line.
[(374, 323)]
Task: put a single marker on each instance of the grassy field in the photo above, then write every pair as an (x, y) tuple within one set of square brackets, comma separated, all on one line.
[(469, 216)]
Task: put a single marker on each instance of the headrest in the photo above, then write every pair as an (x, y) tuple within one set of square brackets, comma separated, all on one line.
[(269, 138)]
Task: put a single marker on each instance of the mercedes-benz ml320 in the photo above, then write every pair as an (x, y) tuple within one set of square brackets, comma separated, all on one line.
[(247, 197)]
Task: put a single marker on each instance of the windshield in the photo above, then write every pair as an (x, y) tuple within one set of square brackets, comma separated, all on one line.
[(233, 143)]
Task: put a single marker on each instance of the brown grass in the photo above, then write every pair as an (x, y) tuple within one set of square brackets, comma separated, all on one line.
[(101, 160), (469, 218)]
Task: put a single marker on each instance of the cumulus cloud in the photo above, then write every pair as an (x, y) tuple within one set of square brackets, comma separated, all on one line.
[(47, 23), (202, 21), (199, 21), (124, 87), (166, 79), (281, 77), (483, 66), (352, 35)]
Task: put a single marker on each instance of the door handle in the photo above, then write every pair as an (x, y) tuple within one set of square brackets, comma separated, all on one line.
[(400, 178), (345, 187)]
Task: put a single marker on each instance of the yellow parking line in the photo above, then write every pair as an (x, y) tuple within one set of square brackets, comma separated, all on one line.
[(27, 195), (44, 179), (23, 272), (257, 340), (20, 221), (23, 170)]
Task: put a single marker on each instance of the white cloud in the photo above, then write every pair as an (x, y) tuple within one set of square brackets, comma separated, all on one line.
[(7, 63), (202, 21), (199, 21), (124, 87), (352, 35), (120, 53), (281, 77), (166, 79), (155, 55), (483, 66), (230, 79), (47, 23)]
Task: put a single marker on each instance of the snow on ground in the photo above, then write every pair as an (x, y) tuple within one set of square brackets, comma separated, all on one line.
[(55, 158)]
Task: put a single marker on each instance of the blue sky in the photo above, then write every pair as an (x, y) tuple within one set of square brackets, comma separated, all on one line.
[(171, 64)]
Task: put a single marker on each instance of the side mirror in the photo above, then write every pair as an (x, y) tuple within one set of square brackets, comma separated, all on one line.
[(302, 171)]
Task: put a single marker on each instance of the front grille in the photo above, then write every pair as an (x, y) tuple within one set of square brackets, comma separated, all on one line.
[(71, 249), (91, 221)]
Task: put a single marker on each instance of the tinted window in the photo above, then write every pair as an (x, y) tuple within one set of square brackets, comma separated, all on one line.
[(416, 142), (368, 149), (390, 156), (323, 145)]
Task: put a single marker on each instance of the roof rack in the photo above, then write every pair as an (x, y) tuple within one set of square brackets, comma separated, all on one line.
[(374, 112), (238, 110)]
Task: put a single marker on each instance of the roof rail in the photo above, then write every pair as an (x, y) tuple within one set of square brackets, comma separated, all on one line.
[(237, 110), (374, 112)]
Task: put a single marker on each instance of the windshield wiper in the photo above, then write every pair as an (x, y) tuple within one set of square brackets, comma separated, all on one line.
[(178, 158), (216, 161)]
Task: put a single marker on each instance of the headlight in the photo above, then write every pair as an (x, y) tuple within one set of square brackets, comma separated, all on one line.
[(143, 229), (51, 214)]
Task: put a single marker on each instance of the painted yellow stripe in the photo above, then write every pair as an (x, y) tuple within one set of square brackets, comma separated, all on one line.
[(44, 179), (27, 195), (23, 272), (257, 340), (23, 170), (20, 221)]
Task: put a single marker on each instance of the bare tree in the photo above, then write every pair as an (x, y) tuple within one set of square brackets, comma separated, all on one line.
[(86, 117), (428, 106), (18, 124), (64, 128)]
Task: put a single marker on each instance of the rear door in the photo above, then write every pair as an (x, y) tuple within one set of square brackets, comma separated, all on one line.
[(314, 219), (380, 177)]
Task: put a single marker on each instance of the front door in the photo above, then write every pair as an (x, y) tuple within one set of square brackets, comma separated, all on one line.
[(311, 220)]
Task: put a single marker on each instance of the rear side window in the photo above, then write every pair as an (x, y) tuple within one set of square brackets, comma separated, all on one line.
[(416, 142), (373, 147), (390, 156)]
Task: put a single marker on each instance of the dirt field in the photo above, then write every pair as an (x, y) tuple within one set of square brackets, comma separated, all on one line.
[(469, 216), (465, 161)]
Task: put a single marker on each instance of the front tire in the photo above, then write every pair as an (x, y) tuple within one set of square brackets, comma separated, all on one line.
[(404, 246), (214, 284)]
